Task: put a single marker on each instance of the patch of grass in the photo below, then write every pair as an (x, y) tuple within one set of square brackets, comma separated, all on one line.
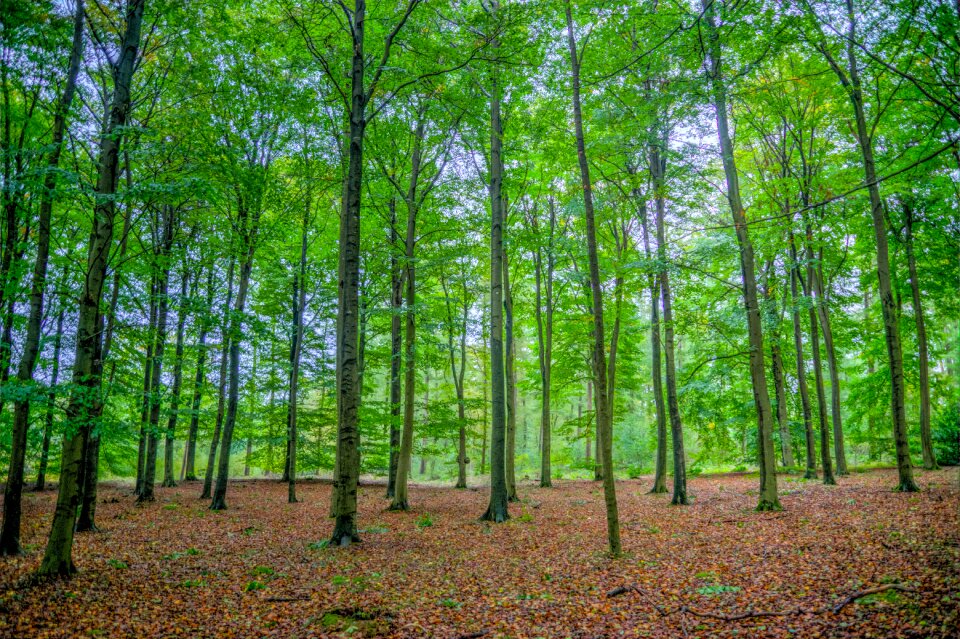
[(318, 545), (193, 583), (254, 586), (262, 571), (451, 603), (117, 564), (717, 589), (424, 521), (376, 529)]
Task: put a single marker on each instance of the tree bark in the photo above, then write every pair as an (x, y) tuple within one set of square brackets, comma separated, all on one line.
[(828, 477), (396, 345), (850, 80), (544, 316), (168, 444), (811, 470), (189, 466), (222, 387), (511, 375), (159, 344), (400, 497), (926, 437), (296, 348), (656, 367), (768, 499), (657, 170), (88, 368), (13, 489), (248, 223), (51, 406), (497, 510), (605, 432)]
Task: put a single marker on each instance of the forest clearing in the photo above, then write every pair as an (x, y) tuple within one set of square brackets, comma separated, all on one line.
[(173, 568)]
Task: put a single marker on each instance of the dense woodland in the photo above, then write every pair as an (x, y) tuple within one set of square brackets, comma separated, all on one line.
[(473, 243)]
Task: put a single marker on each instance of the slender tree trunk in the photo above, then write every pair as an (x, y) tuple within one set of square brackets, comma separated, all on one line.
[(457, 376), (225, 339), (768, 498), (168, 444), (544, 314), (497, 510), (13, 489), (248, 224), (850, 80), (396, 345), (660, 475), (823, 315), (811, 469), (87, 368), (828, 477), (147, 372), (296, 348), (657, 169), (511, 374), (400, 498), (163, 306), (189, 466), (926, 437), (605, 432), (776, 364), (51, 406)]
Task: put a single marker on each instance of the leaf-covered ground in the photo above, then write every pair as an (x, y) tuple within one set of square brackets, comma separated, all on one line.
[(175, 569)]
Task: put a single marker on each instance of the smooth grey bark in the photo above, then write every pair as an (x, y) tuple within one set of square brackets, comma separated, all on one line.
[(825, 460), (88, 367), (457, 372), (776, 365), (604, 423)]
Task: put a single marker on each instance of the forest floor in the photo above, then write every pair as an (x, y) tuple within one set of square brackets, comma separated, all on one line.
[(175, 569)]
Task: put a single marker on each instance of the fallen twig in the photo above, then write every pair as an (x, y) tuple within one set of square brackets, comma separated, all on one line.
[(475, 635), (751, 614)]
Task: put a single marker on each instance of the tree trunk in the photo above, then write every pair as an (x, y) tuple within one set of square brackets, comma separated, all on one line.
[(248, 224), (168, 444), (544, 298), (511, 374), (776, 364), (768, 498), (296, 348), (147, 372), (811, 470), (87, 368), (605, 432), (926, 438), (189, 466), (656, 368), (457, 375), (497, 510), (51, 406), (396, 344), (12, 494), (657, 169), (160, 339), (823, 315), (828, 477), (850, 80), (222, 387), (400, 498)]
